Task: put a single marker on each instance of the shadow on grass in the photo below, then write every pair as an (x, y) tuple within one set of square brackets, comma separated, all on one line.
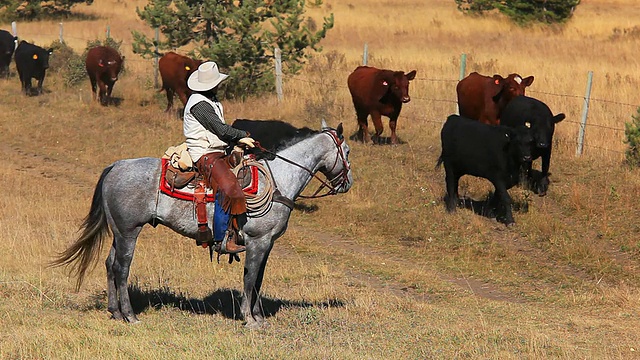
[(223, 301), (487, 207), (308, 209), (382, 140)]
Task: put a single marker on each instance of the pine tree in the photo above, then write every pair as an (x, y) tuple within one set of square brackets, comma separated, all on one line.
[(11, 10), (523, 11), (240, 36)]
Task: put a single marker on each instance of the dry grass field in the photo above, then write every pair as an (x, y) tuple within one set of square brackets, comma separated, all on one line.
[(377, 273)]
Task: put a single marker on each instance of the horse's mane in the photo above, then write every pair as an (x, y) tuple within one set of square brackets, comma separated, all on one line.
[(273, 135)]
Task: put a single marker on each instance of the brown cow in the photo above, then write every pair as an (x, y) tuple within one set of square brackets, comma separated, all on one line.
[(378, 92), (483, 98), (103, 65), (175, 70)]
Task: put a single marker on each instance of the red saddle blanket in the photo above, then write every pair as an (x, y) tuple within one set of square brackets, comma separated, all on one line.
[(187, 192)]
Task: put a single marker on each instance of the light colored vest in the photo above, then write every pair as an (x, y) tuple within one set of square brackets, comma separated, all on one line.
[(199, 140)]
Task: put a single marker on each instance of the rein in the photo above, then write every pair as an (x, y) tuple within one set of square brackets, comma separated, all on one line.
[(343, 176)]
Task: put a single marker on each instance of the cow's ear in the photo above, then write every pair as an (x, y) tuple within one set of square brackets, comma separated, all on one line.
[(498, 84), (339, 129), (50, 51), (323, 125), (527, 81), (122, 58), (383, 82), (411, 75), (558, 118)]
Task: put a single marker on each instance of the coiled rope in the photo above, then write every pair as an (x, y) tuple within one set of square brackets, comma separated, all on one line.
[(258, 204)]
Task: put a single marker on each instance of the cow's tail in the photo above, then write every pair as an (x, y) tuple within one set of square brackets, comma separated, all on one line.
[(440, 161), (84, 251)]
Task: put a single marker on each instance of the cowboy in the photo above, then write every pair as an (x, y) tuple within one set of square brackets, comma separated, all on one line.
[(207, 139)]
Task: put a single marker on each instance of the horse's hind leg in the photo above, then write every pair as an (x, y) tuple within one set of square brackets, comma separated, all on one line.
[(119, 261), (113, 305)]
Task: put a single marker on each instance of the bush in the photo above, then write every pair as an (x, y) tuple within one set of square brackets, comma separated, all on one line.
[(523, 11), (67, 63), (632, 133)]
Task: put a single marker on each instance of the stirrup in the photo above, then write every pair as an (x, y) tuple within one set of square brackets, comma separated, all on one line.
[(221, 247), (204, 237)]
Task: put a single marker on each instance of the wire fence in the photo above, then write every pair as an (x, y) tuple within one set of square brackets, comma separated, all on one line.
[(535, 93), (582, 126)]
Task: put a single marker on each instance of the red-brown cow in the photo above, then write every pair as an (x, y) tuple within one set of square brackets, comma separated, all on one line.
[(175, 70), (483, 98), (103, 65), (378, 92)]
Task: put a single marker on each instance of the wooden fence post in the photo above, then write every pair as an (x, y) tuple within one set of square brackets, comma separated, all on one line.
[(463, 71), (585, 112), (365, 54), (61, 31), (14, 30), (278, 59), (108, 31), (156, 60)]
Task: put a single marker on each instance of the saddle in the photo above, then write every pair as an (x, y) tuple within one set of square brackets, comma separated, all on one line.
[(178, 171)]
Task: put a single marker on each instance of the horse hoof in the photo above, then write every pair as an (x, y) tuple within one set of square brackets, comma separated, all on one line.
[(117, 315), (256, 325), (132, 319)]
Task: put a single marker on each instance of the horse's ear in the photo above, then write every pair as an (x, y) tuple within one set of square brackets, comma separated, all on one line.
[(323, 125), (339, 129)]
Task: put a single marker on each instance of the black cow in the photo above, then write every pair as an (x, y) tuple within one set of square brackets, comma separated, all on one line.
[(32, 62), (7, 45), (495, 153), (272, 135), (533, 113)]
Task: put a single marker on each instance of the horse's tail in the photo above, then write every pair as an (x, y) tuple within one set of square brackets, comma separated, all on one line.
[(87, 247)]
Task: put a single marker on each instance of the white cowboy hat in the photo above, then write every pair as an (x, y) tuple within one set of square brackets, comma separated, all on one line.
[(206, 78)]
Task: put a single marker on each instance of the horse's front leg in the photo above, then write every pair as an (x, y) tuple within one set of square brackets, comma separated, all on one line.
[(254, 264)]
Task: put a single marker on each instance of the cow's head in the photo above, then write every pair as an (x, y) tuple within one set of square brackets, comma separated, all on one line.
[(41, 56), (519, 141), (190, 65), (505, 89), (111, 66), (543, 127), (395, 83)]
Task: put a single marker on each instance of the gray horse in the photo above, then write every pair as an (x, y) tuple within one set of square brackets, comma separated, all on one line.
[(126, 198)]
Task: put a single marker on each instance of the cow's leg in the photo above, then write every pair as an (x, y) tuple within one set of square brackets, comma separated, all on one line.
[(27, 86), (393, 121), (376, 118), (451, 179), (169, 92), (109, 90), (103, 92), (363, 125), (505, 213), (546, 161), (94, 87), (40, 82), (183, 94)]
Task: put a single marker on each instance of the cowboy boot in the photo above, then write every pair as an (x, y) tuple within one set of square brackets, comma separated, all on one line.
[(231, 245)]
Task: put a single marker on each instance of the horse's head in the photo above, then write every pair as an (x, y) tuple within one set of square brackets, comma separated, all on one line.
[(336, 166)]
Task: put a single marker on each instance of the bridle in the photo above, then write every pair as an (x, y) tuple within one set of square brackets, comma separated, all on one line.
[(331, 184)]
